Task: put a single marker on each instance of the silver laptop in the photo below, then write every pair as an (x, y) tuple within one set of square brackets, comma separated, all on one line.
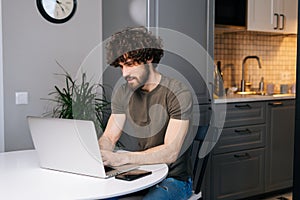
[(70, 146)]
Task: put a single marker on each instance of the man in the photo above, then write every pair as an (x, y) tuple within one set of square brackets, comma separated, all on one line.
[(151, 114)]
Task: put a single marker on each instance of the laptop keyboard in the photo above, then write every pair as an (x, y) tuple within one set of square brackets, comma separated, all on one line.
[(108, 169), (113, 171), (110, 172)]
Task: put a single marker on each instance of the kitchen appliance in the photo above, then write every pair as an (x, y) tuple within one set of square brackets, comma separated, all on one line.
[(270, 88), (261, 86), (284, 88), (231, 14), (194, 22)]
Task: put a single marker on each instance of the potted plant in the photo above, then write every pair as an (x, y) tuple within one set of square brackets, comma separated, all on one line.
[(82, 100)]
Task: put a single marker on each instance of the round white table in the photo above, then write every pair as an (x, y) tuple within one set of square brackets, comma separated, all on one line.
[(22, 178)]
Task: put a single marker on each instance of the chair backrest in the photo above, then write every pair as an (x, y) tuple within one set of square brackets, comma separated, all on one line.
[(199, 164)]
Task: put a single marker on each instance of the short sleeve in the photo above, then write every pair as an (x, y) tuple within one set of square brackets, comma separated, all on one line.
[(117, 104), (180, 102)]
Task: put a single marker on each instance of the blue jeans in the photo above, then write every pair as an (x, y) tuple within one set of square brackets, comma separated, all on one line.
[(170, 189)]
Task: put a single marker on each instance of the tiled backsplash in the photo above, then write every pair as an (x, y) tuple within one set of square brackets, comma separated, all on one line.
[(277, 54)]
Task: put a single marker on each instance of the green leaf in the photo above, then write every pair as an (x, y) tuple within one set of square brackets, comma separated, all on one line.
[(79, 101)]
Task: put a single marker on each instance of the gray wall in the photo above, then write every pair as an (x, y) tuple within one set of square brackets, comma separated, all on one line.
[(1, 87), (31, 45)]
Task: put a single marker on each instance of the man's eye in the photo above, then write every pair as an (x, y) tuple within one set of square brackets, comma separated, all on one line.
[(129, 64)]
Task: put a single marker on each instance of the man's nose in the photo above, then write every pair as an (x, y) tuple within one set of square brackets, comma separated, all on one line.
[(125, 71)]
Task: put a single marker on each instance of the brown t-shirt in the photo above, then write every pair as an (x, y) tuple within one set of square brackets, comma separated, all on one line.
[(148, 115)]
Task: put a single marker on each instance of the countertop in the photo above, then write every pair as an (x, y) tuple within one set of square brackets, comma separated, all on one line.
[(233, 98)]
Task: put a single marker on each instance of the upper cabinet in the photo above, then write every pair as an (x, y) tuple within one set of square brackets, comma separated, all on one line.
[(277, 16)]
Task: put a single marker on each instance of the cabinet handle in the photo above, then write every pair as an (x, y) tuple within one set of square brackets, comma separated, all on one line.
[(277, 21), (211, 91), (243, 131), (278, 103), (244, 155), (282, 21), (247, 106)]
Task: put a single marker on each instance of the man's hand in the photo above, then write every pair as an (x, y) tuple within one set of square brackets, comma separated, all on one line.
[(114, 158), (165, 153)]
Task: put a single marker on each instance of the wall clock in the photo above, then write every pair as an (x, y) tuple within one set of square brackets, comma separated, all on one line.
[(57, 11)]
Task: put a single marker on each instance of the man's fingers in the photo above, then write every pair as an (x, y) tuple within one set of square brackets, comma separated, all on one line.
[(106, 163)]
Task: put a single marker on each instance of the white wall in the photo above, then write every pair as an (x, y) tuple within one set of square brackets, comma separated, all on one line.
[(31, 47)]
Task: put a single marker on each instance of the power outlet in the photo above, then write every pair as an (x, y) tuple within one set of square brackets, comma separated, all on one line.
[(285, 76), (21, 98)]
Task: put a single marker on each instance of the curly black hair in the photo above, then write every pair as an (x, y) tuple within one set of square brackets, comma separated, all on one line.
[(136, 43)]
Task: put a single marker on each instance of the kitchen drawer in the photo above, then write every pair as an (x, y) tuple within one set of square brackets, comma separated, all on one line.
[(240, 114), (241, 138), (237, 175)]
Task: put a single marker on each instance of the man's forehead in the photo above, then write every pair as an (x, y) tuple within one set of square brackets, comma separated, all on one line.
[(129, 62), (128, 59)]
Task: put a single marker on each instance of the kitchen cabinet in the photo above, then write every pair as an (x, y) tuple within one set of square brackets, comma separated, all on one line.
[(193, 19), (237, 164), (238, 174), (254, 154), (276, 16), (280, 144)]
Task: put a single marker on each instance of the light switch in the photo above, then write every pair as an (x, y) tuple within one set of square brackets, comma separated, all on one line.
[(21, 98)]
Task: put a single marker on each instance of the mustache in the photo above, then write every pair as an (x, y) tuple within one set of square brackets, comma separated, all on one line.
[(127, 78)]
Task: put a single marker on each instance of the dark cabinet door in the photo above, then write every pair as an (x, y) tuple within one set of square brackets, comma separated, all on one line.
[(238, 174), (193, 19), (280, 144), (117, 15)]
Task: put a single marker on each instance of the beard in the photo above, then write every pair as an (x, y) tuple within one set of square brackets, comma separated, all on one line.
[(139, 80)]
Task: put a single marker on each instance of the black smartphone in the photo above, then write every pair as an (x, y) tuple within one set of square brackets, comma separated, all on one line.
[(133, 174)]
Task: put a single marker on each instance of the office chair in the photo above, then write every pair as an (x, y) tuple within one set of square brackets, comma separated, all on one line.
[(199, 164)]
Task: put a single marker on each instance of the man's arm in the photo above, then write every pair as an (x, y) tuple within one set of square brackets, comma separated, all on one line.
[(112, 132), (165, 153)]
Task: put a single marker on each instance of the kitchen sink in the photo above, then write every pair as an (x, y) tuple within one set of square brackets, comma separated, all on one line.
[(251, 93), (283, 95), (265, 94)]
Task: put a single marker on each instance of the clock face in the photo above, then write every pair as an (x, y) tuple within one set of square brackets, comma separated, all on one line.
[(57, 11)]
